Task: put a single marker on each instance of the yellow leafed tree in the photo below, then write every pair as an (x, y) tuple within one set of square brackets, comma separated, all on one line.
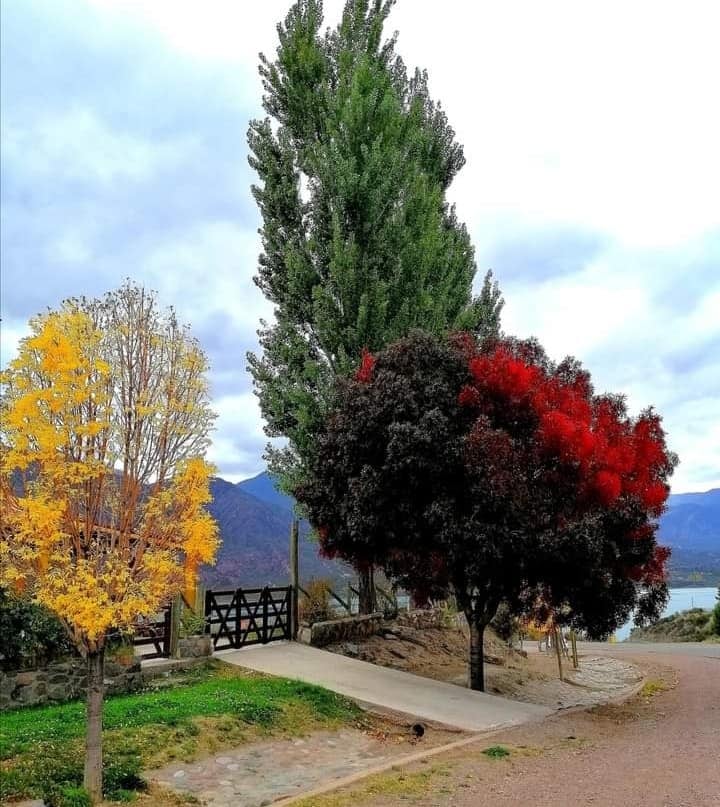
[(105, 423)]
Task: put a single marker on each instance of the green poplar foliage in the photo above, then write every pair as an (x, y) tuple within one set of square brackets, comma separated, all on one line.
[(359, 242)]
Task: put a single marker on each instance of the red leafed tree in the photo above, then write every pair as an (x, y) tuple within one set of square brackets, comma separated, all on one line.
[(490, 472), (593, 482)]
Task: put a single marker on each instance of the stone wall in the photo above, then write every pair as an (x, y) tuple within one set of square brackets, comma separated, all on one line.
[(62, 681), (195, 647), (348, 629), (424, 618)]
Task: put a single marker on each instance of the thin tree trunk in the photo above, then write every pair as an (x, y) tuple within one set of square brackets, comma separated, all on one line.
[(366, 589), (477, 660), (93, 743)]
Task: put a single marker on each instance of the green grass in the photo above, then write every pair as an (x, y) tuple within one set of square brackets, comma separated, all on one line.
[(255, 700), (392, 783), (496, 752), (216, 706)]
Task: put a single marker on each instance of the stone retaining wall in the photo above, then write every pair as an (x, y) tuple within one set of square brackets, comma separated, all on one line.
[(195, 647), (423, 618), (348, 629), (62, 681)]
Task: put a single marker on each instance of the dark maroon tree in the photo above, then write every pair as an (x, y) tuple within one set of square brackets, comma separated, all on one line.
[(493, 474)]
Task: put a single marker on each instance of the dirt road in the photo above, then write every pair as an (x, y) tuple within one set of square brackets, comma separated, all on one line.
[(660, 750)]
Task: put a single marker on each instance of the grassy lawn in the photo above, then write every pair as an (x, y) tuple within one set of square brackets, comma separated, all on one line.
[(215, 706)]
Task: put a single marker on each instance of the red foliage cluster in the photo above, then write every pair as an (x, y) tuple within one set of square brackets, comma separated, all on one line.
[(654, 570), (502, 374), (364, 373), (613, 456)]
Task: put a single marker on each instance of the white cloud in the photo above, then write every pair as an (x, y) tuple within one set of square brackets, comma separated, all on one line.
[(237, 446), (78, 145), (208, 269), (600, 116), (662, 355), (10, 335)]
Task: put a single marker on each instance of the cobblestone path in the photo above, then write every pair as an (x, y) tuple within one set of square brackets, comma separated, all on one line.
[(258, 774)]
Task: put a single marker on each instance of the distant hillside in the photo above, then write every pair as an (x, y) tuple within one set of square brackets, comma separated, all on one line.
[(694, 625), (255, 540), (263, 487), (691, 527), (692, 521), (254, 518)]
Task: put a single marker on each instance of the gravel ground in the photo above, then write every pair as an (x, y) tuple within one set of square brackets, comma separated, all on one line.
[(441, 653), (599, 680), (659, 750)]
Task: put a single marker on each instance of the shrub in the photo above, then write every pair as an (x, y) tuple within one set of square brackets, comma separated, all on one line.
[(122, 772), (504, 623), (496, 752), (191, 624), (124, 795), (72, 796), (694, 625), (716, 616), (31, 635), (314, 605)]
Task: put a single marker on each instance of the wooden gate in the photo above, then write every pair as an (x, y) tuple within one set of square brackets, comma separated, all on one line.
[(246, 616), (154, 632)]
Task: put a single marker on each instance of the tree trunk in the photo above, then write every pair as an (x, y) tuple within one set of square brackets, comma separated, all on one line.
[(477, 660), (93, 742), (366, 589)]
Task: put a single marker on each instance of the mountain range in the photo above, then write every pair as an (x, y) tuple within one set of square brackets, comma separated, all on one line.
[(254, 520), (691, 528), (255, 517)]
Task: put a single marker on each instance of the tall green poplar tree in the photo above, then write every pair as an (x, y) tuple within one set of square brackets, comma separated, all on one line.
[(359, 242)]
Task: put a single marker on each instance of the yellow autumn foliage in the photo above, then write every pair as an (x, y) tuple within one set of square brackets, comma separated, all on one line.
[(110, 521)]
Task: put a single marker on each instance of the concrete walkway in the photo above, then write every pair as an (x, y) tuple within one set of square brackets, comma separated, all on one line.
[(387, 689)]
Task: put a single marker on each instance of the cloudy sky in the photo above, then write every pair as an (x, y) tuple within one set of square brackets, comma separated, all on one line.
[(592, 184)]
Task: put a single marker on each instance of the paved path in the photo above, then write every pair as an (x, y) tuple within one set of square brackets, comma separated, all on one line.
[(388, 689), (703, 649)]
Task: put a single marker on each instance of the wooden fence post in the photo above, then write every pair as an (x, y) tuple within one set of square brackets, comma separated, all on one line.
[(573, 643), (199, 605), (175, 615), (558, 651), (294, 578), (264, 597)]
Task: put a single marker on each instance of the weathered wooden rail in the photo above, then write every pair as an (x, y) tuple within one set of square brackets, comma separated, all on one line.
[(240, 617)]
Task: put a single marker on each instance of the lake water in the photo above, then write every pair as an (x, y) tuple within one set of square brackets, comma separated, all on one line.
[(681, 599)]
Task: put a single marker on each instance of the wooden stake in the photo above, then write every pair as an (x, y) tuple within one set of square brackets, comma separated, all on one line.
[(175, 614), (558, 653), (294, 577)]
